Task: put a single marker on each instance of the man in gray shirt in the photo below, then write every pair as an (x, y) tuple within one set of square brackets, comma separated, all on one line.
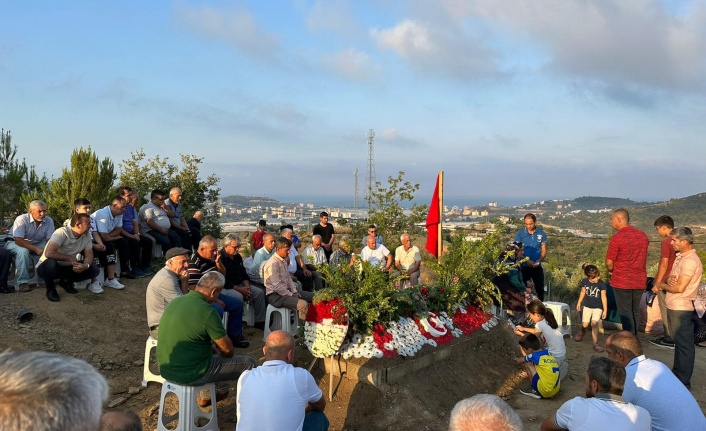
[(169, 282)]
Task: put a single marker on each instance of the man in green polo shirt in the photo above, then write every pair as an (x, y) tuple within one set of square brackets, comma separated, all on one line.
[(187, 330)]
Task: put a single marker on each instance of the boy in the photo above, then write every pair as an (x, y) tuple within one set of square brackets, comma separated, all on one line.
[(541, 368), (664, 225)]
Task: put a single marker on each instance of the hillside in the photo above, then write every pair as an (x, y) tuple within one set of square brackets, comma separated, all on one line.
[(250, 200)]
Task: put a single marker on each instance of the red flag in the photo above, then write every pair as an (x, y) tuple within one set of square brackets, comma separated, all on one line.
[(433, 221)]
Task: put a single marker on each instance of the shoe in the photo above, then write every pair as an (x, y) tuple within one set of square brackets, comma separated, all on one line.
[(53, 296), (147, 271), (114, 283), (7, 289), (241, 344), (578, 336), (261, 326), (221, 394), (68, 287), (24, 287), (95, 287), (597, 347), (237, 338), (662, 343), (531, 393), (129, 275)]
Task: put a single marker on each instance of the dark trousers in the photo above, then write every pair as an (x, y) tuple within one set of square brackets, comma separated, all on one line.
[(132, 254), (536, 274), (104, 258), (184, 237), (234, 307), (5, 261), (628, 303), (167, 241), (684, 350), (50, 270), (195, 237), (225, 369)]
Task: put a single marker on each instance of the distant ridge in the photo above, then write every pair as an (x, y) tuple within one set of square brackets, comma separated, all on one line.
[(241, 200)]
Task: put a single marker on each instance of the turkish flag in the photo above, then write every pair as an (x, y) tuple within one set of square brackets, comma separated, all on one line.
[(433, 220)]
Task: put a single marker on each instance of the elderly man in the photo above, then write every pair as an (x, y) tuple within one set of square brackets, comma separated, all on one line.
[(28, 236), (132, 231), (206, 259), (169, 282), (310, 280), (188, 330), (314, 253), (279, 286), (237, 283), (372, 230), (484, 412), (681, 287), (408, 260), (534, 242), (604, 408), (59, 257), (176, 216), (156, 223), (325, 229), (377, 254), (652, 385), (626, 260), (292, 400), (261, 256), (344, 255), (70, 399), (194, 224)]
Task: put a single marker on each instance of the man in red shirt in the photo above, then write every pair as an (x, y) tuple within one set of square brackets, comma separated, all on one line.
[(626, 260), (256, 240), (664, 225)]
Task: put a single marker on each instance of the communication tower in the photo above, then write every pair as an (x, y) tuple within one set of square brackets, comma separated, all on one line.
[(370, 181), (355, 196)]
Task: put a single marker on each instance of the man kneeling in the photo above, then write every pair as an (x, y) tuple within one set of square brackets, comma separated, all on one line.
[(291, 401)]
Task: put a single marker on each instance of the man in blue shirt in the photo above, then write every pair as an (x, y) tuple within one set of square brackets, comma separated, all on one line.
[(535, 246)]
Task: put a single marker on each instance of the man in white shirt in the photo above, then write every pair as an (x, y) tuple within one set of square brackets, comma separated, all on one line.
[(652, 385), (604, 408), (408, 260), (376, 254), (156, 222), (314, 253), (278, 396)]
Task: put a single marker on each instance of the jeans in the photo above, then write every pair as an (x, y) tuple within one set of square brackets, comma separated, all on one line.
[(257, 301), (684, 349), (22, 259), (167, 241), (225, 369), (628, 303), (234, 307), (50, 270), (315, 421)]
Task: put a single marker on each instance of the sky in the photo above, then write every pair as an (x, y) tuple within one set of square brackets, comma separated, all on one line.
[(511, 99)]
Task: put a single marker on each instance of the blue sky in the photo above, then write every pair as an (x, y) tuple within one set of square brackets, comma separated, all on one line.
[(541, 99)]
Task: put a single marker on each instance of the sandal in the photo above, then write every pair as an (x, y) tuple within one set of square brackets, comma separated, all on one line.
[(597, 347), (578, 336)]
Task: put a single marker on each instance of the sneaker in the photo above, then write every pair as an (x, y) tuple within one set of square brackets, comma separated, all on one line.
[(662, 343), (114, 283), (597, 347), (95, 287), (147, 271), (24, 287), (531, 393), (578, 336)]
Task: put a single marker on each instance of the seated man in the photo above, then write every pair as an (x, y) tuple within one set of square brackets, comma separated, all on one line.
[(59, 257), (5, 261), (109, 224), (206, 259), (237, 284), (377, 254), (314, 253), (279, 287), (256, 240), (156, 223), (133, 231), (292, 400), (605, 408), (169, 282), (344, 255), (188, 329), (652, 385), (194, 224), (70, 399), (28, 236), (176, 217), (372, 230), (310, 280), (261, 256), (408, 260), (296, 243)]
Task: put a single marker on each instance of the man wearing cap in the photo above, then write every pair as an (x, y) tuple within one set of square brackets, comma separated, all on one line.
[(168, 283), (534, 241)]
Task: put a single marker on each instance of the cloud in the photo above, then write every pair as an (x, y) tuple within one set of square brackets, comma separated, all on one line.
[(237, 27), (436, 51), (352, 64), (335, 15), (392, 137)]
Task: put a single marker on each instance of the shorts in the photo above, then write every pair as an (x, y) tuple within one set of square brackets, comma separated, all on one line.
[(591, 315)]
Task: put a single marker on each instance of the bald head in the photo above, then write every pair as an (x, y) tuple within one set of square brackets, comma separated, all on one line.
[(623, 346), (279, 346)]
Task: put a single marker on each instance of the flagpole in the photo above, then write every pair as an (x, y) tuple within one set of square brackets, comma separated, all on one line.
[(440, 244)]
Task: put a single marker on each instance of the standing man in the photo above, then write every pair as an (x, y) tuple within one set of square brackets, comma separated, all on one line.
[(28, 235), (535, 246), (292, 400), (256, 240), (626, 260), (59, 257), (681, 288), (176, 217), (325, 229), (664, 226), (169, 282), (408, 260)]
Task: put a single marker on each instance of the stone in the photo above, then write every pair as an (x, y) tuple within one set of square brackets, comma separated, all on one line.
[(139, 362), (117, 402), (132, 390)]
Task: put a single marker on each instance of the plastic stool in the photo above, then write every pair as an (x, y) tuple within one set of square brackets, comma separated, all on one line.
[(562, 313), (248, 314), (282, 319), (189, 412), (147, 374), (32, 271)]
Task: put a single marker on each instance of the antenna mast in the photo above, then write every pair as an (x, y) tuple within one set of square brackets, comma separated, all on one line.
[(370, 181), (355, 195)]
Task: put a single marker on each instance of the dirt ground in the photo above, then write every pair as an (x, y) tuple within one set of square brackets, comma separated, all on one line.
[(110, 330)]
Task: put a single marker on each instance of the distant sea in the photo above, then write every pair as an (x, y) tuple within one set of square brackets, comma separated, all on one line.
[(347, 202)]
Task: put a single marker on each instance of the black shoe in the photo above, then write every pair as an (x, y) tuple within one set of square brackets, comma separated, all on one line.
[(662, 342), (53, 296), (237, 338), (241, 344), (259, 325), (69, 287), (130, 275)]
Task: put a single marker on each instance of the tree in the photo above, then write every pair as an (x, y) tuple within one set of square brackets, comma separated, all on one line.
[(88, 177), (145, 175), (386, 210)]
